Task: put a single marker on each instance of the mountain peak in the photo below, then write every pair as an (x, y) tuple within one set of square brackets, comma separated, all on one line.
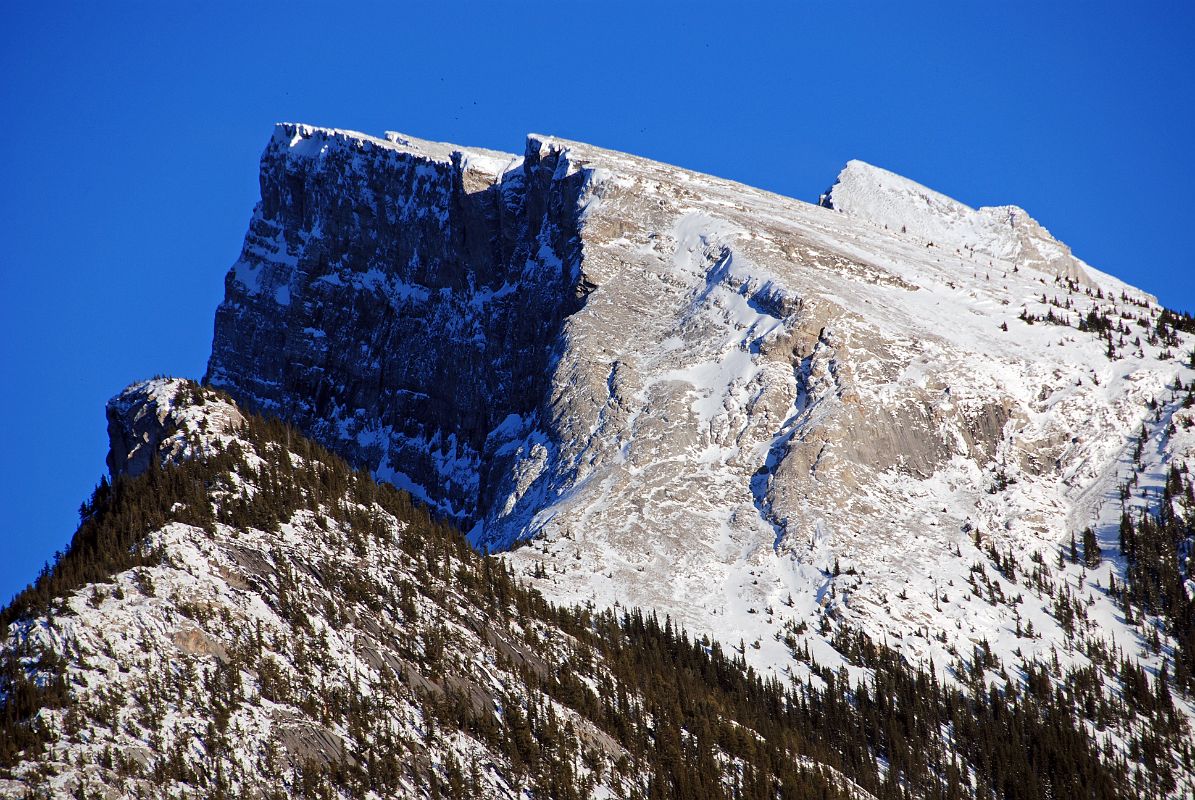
[(833, 444), (166, 420), (859, 178), (1006, 233)]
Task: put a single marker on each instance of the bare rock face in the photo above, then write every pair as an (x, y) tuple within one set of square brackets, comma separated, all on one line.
[(399, 299), (691, 395), (165, 420)]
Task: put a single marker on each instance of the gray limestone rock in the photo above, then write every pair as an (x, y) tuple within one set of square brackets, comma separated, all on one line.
[(161, 420), (690, 394), (401, 301)]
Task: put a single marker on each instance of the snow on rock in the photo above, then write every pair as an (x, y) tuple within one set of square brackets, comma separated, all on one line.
[(1006, 233), (424, 284), (166, 420), (756, 415), (346, 642)]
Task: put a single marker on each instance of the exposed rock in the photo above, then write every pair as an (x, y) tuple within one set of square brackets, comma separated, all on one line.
[(399, 299), (193, 641), (143, 428), (693, 395)]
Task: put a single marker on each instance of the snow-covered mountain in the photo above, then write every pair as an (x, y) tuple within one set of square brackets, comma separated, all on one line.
[(779, 424), (250, 618), (693, 395)]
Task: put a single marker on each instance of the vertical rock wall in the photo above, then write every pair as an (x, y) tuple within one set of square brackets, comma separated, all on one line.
[(360, 247)]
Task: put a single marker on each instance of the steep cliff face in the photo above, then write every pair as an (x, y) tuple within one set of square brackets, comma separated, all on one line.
[(399, 299)]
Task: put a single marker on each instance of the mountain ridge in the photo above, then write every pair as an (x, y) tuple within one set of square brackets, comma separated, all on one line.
[(895, 442), (1007, 232), (747, 411)]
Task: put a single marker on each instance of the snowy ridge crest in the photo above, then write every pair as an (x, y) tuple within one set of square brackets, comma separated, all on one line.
[(1007, 233), (308, 141)]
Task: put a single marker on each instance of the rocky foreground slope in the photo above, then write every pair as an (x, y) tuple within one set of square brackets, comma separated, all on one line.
[(248, 617)]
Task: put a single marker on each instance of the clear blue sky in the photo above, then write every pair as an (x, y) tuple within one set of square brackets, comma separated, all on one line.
[(130, 134)]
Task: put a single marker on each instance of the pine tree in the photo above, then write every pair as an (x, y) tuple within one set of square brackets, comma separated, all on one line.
[(1091, 549)]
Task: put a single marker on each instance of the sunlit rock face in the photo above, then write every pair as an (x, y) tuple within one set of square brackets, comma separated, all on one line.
[(734, 407)]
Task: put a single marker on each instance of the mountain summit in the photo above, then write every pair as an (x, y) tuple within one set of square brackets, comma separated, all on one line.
[(687, 394), (887, 441), (1006, 233)]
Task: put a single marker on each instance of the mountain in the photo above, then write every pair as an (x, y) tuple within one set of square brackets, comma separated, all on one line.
[(1006, 233), (686, 394), (888, 442), (249, 617)]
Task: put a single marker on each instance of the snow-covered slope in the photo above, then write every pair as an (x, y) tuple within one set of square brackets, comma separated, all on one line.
[(807, 417), (768, 419), (282, 627), (1006, 233)]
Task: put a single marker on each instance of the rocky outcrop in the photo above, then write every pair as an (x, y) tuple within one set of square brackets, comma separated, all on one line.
[(165, 420), (400, 299)]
